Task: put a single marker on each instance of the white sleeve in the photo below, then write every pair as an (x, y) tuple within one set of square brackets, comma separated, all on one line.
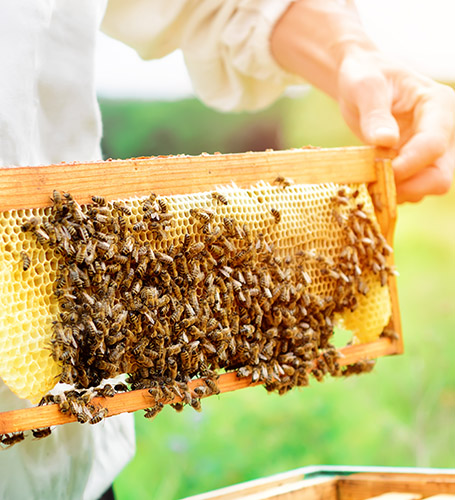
[(225, 44)]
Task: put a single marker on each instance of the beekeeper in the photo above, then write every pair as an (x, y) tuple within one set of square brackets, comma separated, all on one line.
[(241, 54)]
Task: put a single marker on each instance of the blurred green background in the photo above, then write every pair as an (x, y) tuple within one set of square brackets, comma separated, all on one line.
[(403, 414)]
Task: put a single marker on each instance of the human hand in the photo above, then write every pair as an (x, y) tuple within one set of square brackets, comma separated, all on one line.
[(384, 103), (388, 105)]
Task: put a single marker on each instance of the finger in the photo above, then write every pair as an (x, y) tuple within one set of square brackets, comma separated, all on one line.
[(351, 117), (364, 88), (377, 123), (432, 180), (434, 134)]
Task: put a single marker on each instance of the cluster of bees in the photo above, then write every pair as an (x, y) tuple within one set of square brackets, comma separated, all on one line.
[(75, 402), (220, 299), (365, 251)]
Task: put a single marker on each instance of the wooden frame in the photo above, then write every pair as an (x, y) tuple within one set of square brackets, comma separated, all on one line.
[(343, 483), (30, 187)]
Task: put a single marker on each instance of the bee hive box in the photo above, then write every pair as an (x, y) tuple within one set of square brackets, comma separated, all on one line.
[(344, 483), (229, 267)]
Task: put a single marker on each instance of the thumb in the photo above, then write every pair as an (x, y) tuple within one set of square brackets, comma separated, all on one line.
[(377, 123)]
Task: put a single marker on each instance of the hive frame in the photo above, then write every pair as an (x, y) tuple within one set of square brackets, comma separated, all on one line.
[(29, 187), (333, 482)]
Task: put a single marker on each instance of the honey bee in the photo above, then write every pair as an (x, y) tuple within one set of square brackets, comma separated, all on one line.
[(12, 439), (362, 366), (201, 391), (178, 407), (338, 217), (98, 416), (176, 315), (41, 433), (390, 333), (128, 246), (101, 218), (107, 391), (67, 375), (276, 214), (362, 287), (46, 400), (150, 213), (196, 404), (151, 198), (166, 259), (107, 367), (151, 413), (361, 214), (202, 214), (121, 208), (141, 268), (163, 301), (57, 200), (63, 403), (318, 374), (136, 287), (51, 232), (156, 393), (84, 414), (120, 387), (212, 385), (81, 253), (219, 198), (341, 198), (165, 218), (162, 204), (140, 226), (306, 277), (229, 224), (172, 368), (244, 371), (76, 211), (26, 261), (168, 393), (31, 224), (384, 277), (41, 236), (99, 200), (195, 249), (284, 182)]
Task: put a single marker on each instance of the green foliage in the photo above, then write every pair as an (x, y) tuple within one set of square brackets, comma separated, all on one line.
[(135, 128), (401, 414), (316, 120)]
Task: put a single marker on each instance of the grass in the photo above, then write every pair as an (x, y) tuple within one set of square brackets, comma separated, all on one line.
[(401, 414)]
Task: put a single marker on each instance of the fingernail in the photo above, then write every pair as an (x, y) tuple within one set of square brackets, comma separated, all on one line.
[(385, 132)]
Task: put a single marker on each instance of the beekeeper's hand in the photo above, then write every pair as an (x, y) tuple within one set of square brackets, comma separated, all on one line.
[(384, 103)]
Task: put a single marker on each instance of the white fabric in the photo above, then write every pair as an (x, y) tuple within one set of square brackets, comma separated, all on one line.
[(49, 114), (225, 44)]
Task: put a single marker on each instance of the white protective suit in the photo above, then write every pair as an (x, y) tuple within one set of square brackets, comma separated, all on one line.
[(49, 114)]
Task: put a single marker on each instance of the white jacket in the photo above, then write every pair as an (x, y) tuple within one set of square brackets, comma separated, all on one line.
[(49, 114)]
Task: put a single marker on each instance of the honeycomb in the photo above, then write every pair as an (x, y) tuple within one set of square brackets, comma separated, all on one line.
[(304, 231)]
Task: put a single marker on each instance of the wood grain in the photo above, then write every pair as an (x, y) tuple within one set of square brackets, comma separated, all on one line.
[(383, 193), (396, 496), (364, 485), (321, 489), (282, 488), (30, 187), (45, 416)]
